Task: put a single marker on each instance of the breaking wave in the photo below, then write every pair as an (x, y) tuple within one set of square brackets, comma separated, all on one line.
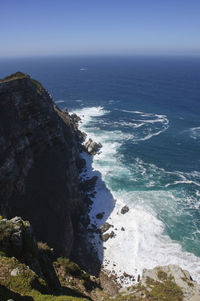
[(157, 198)]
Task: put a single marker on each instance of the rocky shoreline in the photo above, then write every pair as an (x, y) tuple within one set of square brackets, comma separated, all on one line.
[(46, 176), (115, 283)]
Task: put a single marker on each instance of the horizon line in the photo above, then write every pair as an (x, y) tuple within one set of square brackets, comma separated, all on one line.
[(151, 54)]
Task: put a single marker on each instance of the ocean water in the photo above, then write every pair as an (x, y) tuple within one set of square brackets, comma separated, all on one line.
[(146, 113)]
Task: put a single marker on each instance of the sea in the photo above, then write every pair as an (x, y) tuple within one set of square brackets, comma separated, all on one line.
[(145, 111)]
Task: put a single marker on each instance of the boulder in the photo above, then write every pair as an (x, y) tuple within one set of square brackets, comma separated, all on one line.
[(124, 210), (106, 236), (100, 215), (92, 147), (15, 272), (105, 227)]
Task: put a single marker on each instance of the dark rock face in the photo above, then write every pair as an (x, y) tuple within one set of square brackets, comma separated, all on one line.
[(100, 215), (17, 240), (39, 161)]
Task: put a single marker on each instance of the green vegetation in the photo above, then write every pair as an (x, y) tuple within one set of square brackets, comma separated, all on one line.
[(72, 277), (162, 275), (33, 275), (25, 283), (38, 86), (167, 290), (164, 290), (24, 280), (42, 246), (189, 282), (2, 253), (70, 267), (16, 75), (6, 229), (39, 297)]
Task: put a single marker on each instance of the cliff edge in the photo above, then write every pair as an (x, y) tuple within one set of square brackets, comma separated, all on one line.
[(39, 161)]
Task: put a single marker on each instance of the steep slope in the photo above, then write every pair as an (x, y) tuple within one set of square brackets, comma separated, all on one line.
[(39, 161)]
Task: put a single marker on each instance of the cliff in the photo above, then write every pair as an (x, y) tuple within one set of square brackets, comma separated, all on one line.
[(39, 161), (39, 180), (30, 271)]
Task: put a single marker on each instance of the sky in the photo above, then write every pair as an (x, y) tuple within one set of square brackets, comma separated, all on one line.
[(78, 27)]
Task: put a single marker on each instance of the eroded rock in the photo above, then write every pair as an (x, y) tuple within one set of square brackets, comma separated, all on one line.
[(177, 276), (15, 272), (92, 147), (106, 236), (125, 209), (106, 226), (40, 161)]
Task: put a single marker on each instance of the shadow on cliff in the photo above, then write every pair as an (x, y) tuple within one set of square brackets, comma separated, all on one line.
[(6, 294), (101, 203)]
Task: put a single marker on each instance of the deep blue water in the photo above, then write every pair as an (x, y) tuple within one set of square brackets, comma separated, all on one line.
[(152, 121)]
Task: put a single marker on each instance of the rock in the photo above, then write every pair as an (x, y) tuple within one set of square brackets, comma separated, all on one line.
[(92, 147), (108, 284), (15, 272), (106, 236), (122, 229), (40, 161), (195, 298), (17, 220), (88, 185), (112, 234), (175, 274), (125, 209), (100, 215), (126, 275), (105, 227)]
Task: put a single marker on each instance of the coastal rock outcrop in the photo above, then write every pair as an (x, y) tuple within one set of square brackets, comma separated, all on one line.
[(18, 241), (39, 180), (30, 271), (125, 209), (179, 277), (39, 161), (93, 147)]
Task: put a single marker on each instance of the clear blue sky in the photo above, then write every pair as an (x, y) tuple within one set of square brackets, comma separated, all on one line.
[(59, 27)]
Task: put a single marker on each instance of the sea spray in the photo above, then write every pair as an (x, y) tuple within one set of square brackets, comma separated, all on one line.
[(144, 241)]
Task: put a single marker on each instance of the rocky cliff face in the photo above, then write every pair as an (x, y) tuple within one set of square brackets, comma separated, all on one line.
[(39, 161)]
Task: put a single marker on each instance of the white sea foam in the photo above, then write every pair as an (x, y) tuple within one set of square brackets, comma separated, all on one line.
[(183, 182), (59, 101), (144, 243), (149, 124), (194, 133)]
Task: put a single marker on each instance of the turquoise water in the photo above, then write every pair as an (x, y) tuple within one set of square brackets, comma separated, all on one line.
[(146, 112)]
